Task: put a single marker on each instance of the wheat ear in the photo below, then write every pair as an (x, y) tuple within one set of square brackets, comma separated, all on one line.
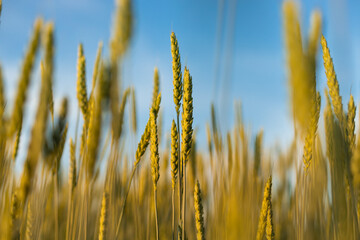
[(264, 210), (24, 81), (199, 213)]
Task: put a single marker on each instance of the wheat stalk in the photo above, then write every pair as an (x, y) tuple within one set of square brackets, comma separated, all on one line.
[(133, 111), (187, 133), (122, 110), (97, 65), (142, 146)]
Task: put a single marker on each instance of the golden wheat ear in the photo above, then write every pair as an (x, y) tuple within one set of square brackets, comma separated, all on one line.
[(122, 29), (25, 77), (103, 216), (81, 91), (177, 75), (332, 82), (264, 210), (174, 153), (199, 213), (49, 47)]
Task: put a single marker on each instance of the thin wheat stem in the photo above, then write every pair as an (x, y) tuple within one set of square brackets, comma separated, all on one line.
[(156, 215)]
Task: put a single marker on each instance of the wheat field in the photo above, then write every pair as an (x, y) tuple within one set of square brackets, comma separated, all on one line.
[(233, 189)]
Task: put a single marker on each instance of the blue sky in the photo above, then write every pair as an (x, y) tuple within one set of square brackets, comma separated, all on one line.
[(234, 50)]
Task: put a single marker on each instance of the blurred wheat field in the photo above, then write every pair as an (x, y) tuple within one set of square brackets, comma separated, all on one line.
[(176, 192)]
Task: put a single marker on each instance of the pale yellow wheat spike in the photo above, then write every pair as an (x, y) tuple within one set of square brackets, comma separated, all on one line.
[(36, 140), (122, 30), (311, 132), (199, 213), (144, 142), (355, 163), (97, 65), (29, 223), (145, 138), (155, 158), (174, 154), (24, 80), (14, 214), (156, 88), (187, 116), (103, 216), (351, 123), (270, 233), (154, 148), (186, 135), (0, 7), (81, 83), (264, 210), (49, 46), (302, 84), (177, 76), (332, 82), (17, 142), (72, 168)]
